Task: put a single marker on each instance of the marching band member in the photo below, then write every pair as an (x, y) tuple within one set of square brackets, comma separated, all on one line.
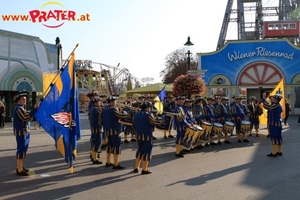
[(189, 115), (143, 124), (231, 105), (20, 124), (239, 113), (138, 102), (104, 105), (152, 109), (217, 101), (128, 128), (96, 130), (110, 121), (180, 123), (199, 117), (186, 108), (233, 100), (198, 109), (169, 106), (223, 114), (91, 95), (275, 124), (209, 115), (193, 106), (254, 112)]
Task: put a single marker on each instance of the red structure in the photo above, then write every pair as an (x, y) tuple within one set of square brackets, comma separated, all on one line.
[(274, 29)]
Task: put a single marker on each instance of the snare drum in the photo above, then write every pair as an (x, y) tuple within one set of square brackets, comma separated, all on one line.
[(217, 129), (188, 138), (228, 127), (207, 127), (166, 125), (200, 132), (245, 126)]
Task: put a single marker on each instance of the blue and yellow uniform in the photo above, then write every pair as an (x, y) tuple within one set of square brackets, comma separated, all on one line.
[(112, 128), (254, 112), (209, 116), (275, 124), (239, 112), (143, 124), (189, 115), (180, 123), (198, 111), (96, 130), (20, 127), (128, 126), (223, 114)]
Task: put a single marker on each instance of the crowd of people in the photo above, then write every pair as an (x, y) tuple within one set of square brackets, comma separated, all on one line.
[(211, 116), (197, 122)]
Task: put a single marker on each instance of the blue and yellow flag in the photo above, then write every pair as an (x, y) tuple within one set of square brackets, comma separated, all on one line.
[(59, 112), (279, 89), (159, 100)]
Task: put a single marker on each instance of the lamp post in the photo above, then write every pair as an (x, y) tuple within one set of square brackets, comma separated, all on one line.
[(188, 44), (59, 52)]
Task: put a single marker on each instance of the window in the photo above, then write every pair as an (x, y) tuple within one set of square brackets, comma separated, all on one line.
[(285, 26), (271, 27), (293, 26), (278, 26)]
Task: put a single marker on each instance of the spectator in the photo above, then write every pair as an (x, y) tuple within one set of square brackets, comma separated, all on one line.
[(288, 109), (2, 112)]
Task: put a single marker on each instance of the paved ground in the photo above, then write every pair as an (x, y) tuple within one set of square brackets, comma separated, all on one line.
[(231, 171)]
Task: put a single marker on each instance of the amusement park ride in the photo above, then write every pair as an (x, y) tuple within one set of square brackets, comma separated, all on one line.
[(253, 20), (102, 78)]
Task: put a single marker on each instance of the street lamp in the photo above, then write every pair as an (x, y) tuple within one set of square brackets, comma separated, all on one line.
[(188, 44), (59, 52)]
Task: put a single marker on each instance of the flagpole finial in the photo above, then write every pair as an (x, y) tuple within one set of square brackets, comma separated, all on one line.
[(77, 45)]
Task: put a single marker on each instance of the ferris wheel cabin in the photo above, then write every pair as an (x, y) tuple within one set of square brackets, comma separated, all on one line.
[(280, 29)]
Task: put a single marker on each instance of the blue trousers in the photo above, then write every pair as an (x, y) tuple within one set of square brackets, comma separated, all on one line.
[(144, 150), (22, 145)]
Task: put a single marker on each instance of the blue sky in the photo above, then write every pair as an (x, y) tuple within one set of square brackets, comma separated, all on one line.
[(138, 34)]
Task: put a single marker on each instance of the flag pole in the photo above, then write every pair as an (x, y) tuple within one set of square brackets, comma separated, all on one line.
[(162, 89), (58, 74)]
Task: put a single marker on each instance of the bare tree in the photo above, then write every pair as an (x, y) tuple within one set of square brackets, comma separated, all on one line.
[(176, 65)]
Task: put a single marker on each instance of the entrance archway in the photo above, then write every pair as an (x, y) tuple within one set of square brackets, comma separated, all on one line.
[(260, 73)]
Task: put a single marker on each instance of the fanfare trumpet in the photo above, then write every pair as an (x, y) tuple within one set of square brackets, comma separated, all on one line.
[(170, 113)]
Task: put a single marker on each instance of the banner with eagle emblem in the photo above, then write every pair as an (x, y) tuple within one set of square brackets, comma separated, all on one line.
[(59, 112)]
